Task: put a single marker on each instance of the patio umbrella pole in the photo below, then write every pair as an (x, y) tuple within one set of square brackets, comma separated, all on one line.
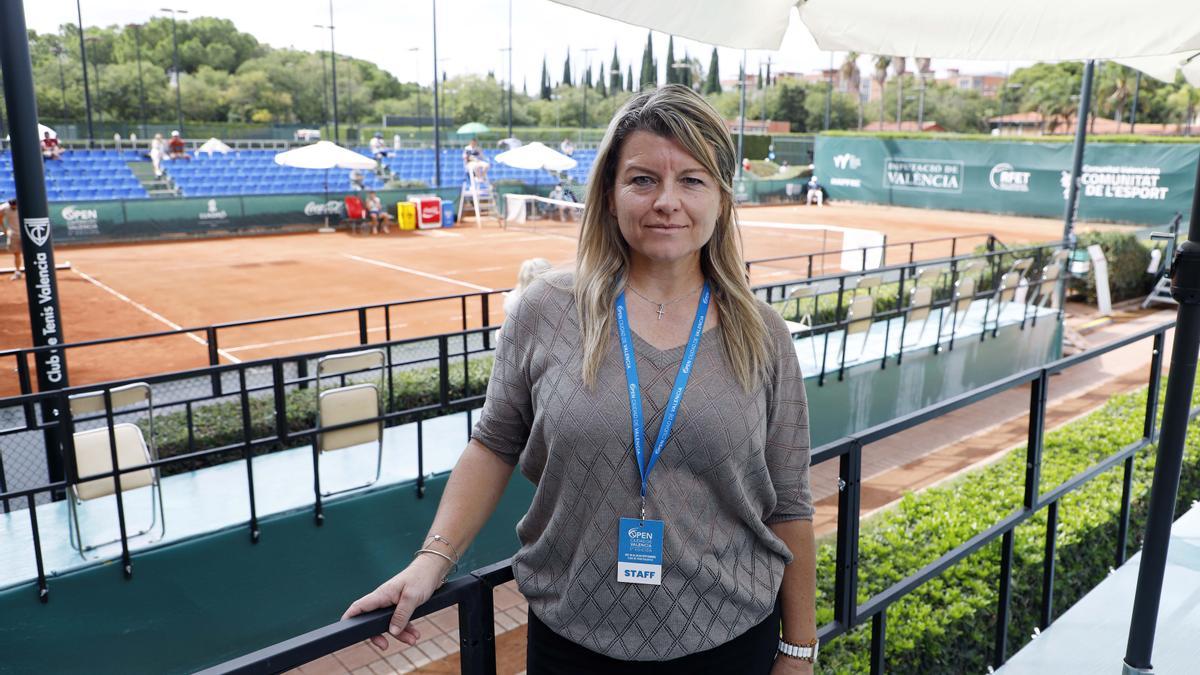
[(327, 228), (1185, 288)]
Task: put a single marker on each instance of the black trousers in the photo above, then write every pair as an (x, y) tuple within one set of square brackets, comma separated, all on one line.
[(751, 653)]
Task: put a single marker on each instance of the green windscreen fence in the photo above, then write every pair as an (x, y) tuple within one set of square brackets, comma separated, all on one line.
[(1121, 182)]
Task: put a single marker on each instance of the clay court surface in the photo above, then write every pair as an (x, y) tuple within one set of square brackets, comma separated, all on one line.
[(120, 290)]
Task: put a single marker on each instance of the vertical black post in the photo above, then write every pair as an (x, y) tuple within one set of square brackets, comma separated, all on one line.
[(1085, 105), (477, 632), (333, 67), (1037, 422), (845, 584), (178, 75), (137, 42), (1048, 567), (878, 640), (1000, 649), (37, 245), (324, 92), (1137, 86), (437, 127), (1185, 288), (510, 80), (87, 92)]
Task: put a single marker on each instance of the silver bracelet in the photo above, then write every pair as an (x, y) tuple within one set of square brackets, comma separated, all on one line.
[(454, 565), (443, 540)]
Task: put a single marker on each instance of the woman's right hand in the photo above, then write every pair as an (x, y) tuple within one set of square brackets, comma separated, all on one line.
[(407, 590)]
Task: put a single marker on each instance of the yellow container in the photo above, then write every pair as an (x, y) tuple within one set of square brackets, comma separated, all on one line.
[(406, 215)]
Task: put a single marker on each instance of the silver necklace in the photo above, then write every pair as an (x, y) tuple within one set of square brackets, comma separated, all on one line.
[(662, 306)]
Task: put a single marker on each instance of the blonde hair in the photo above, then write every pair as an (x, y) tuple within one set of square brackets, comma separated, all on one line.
[(677, 113)]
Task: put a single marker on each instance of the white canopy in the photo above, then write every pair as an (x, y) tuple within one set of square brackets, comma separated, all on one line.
[(42, 130), (971, 29), (1164, 67), (536, 156), (324, 155), (213, 145)]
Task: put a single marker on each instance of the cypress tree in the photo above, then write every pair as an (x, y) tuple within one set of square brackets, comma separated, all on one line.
[(566, 78), (649, 78), (712, 85), (758, 80), (601, 85), (629, 78), (545, 85), (614, 77), (672, 77)]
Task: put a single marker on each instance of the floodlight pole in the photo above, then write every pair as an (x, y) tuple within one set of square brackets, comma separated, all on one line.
[(178, 74), (510, 80), (137, 41), (1085, 104), (87, 92), (37, 245), (437, 140), (1185, 288), (333, 68)]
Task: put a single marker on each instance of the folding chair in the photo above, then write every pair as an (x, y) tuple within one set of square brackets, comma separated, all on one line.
[(1006, 293), (350, 403), (929, 276), (93, 455), (920, 301), (356, 214), (1047, 287), (858, 322), (960, 305), (868, 284), (805, 324)]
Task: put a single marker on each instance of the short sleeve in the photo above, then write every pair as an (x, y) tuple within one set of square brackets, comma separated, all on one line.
[(788, 445), (507, 414)]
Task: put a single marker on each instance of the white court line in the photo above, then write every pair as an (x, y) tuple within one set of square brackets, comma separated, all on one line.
[(419, 273), (153, 314), (311, 338), (798, 226)]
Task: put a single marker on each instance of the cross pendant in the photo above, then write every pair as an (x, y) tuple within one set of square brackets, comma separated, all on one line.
[(661, 310)]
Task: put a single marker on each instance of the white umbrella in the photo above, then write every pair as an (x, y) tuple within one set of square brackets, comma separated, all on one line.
[(213, 145), (536, 156), (1014, 29), (42, 130), (1164, 67), (324, 155)]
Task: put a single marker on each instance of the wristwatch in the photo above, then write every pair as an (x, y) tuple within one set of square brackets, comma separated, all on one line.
[(805, 651)]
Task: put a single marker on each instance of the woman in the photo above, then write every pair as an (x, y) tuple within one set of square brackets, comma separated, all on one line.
[(706, 508)]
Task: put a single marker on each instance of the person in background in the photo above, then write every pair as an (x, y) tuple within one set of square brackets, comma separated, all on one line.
[(474, 162), (50, 147), (701, 561), (10, 222), (379, 217), (379, 150), (567, 147), (815, 191), (158, 148), (176, 148), (530, 270), (357, 180)]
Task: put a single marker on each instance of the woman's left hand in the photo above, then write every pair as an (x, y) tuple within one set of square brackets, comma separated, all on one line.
[(789, 666)]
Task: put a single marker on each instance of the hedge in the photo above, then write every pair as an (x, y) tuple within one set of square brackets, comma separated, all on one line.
[(948, 624), (1127, 260), (220, 424)]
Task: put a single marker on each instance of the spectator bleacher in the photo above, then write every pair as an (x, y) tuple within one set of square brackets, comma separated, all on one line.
[(104, 174), (83, 175)]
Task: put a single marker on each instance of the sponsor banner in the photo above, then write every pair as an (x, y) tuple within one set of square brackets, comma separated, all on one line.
[(1135, 183), (84, 221)]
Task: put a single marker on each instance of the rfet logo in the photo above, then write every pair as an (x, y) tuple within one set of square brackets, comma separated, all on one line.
[(430, 211), (1007, 179)]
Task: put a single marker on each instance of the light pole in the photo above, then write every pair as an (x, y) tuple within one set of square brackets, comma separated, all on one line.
[(510, 80), (417, 81), (137, 42), (437, 141), (324, 90), (741, 115), (333, 65), (87, 92), (96, 65), (60, 54), (178, 75), (587, 66)]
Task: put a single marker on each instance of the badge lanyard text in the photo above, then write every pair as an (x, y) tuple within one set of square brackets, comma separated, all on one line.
[(645, 465)]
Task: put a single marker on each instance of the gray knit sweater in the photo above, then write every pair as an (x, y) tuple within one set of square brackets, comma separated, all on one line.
[(735, 462)]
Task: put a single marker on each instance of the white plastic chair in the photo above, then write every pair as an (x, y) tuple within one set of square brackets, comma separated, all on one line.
[(93, 455), (858, 322), (920, 302), (350, 403)]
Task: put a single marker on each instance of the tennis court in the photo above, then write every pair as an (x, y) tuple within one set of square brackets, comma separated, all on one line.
[(120, 290)]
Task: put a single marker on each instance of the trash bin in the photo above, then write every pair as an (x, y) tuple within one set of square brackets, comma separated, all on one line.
[(406, 215), (447, 214)]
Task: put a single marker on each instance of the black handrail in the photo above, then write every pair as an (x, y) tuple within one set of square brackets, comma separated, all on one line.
[(473, 593)]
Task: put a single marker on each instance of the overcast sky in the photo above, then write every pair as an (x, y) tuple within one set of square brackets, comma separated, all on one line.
[(471, 34)]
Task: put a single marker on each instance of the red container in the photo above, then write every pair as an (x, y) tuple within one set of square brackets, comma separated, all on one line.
[(429, 210)]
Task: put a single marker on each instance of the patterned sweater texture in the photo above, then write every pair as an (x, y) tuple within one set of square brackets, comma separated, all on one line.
[(735, 463)]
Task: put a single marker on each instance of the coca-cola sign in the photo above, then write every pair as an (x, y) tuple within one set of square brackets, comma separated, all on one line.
[(430, 211), (329, 208)]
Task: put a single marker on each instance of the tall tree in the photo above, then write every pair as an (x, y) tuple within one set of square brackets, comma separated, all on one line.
[(600, 83), (567, 81), (881, 68), (790, 106), (544, 94), (712, 85), (759, 80), (587, 77), (899, 67), (629, 78), (614, 76), (649, 78), (853, 79), (672, 72)]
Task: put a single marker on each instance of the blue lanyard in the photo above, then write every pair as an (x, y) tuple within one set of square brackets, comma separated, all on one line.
[(635, 387)]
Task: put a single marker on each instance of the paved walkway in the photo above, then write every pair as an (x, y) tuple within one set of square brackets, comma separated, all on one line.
[(911, 460)]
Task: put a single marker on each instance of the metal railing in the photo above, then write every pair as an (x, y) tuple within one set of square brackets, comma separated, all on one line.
[(814, 263), (473, 593)]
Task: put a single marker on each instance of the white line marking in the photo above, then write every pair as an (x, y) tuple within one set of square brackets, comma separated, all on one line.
[(419, 273), (153, 314), (311, 338)]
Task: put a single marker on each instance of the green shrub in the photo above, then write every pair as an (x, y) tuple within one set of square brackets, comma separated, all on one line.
[(948, 624), (219, 424), (1127, 260)]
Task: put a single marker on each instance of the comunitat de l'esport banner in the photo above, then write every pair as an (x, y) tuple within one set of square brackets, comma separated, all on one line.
[(1137, 183)]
